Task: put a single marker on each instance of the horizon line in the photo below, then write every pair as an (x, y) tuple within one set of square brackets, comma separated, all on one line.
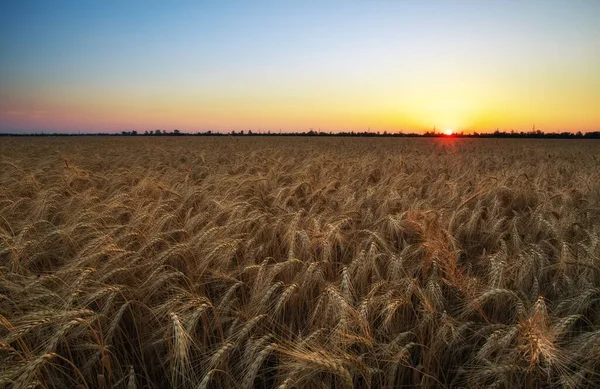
[(249, 133)]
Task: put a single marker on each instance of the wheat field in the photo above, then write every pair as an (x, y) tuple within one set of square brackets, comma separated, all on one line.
[(180, 262)]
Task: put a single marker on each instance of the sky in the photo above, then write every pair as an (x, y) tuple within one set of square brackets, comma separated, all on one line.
[(379, 65)]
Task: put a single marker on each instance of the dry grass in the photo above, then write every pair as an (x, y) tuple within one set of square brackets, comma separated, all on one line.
[(299, 263)]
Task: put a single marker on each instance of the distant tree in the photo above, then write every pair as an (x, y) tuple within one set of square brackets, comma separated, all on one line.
[(176, 132), (146, 132), (134, 132)]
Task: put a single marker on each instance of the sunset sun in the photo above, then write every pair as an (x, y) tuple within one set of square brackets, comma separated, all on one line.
[(449, 132)]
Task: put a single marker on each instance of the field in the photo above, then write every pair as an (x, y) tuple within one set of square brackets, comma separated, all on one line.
[(135, 262)]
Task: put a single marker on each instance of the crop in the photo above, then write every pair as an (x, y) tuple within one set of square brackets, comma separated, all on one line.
[(299, 263)]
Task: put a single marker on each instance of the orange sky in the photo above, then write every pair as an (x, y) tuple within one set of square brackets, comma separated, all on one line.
[(395, 66)]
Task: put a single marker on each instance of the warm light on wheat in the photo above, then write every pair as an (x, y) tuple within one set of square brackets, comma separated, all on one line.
[(298, 263)]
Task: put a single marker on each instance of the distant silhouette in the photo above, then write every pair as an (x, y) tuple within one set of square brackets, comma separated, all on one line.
[(537, 134)]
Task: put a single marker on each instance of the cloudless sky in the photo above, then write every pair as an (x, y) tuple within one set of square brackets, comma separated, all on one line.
[(399, 65)]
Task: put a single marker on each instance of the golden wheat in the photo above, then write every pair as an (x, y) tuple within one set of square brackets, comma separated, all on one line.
[(299, 263)]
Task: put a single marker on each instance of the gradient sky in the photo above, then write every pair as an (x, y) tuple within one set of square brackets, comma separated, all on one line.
[(96, 66)]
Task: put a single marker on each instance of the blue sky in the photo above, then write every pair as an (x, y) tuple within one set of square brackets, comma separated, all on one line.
[(393, 65)]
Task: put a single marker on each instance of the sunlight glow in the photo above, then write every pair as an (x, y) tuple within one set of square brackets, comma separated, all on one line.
[(449, 132), (200, 66)]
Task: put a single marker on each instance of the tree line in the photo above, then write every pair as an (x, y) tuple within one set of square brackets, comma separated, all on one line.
[(428, 134)]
